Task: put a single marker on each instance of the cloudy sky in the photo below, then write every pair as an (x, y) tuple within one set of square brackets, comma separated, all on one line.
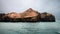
[(50, 6)]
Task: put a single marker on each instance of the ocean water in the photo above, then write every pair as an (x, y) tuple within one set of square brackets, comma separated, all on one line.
[(30, 28)]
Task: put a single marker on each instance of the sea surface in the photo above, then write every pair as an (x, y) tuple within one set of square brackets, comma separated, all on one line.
[(30, 28)]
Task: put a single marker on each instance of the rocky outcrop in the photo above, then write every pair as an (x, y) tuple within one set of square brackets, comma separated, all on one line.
[(29, 15), (1, 16), (47, 17)]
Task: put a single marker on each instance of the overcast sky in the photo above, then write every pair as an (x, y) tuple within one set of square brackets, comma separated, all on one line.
[(51, 6)]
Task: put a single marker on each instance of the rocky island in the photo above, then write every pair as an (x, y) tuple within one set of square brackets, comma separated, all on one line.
[(29, 15)]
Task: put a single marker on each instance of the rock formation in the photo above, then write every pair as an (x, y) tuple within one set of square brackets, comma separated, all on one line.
[(29, 15), (47, 17)]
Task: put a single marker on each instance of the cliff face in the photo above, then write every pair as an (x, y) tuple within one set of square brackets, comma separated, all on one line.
[(29, 15)]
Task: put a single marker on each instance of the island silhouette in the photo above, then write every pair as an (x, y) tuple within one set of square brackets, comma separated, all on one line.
[(29, 15)]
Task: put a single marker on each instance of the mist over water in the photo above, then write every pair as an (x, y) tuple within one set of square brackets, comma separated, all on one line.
[(30, 28)]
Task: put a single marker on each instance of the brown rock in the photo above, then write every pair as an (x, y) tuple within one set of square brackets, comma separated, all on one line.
[(29, 15), (14, 15)]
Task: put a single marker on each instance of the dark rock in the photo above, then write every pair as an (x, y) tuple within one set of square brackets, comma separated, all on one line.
[(1, 16), (47, 17)]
